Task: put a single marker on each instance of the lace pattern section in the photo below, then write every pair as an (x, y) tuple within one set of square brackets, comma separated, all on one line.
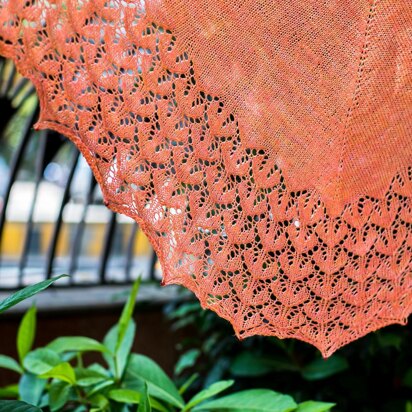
[(218, 211)]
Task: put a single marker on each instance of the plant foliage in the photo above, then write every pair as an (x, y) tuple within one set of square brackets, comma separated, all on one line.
[(373, 374), (55, 378)]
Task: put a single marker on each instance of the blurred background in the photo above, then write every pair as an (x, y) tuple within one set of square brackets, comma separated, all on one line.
[(53, 221)]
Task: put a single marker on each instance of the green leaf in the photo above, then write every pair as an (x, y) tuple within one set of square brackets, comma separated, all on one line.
[(82, 408), (59, 394), (26, 333), (144, 405), (103, 386), (99, 401), (119, 339), (129, 396), (96, 367), (212, 390), (188, 383), (254, 400), (125, 396), (250, 364), (127, 313), (17, 406), (76, 344), (41, 361), (117, 359), (88, 377), (187, 360), (217, 371), (6, 362), (26, 293), (44, 400), (312, 406), (159, 384), (63, 371), (323, 368), (31, 388), (10, 391), (68, 356)]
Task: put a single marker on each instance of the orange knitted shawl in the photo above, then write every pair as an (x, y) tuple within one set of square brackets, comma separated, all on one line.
[(265, 147)]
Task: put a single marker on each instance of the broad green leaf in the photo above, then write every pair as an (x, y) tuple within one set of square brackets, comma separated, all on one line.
[(312, 406), (133, 382), (68, 356), (100, 387), (31, 388), (63, 371), (41, 361), (109, 342), (10, 391), (88, 377), (117, 358), (159, 384), (187, 360), (82, 408), (17, 406), (6, 362), (76, 344), (250, 364), (323, 368), (125, 396), (99, 401), (44, 400), (26, 293), (144, 405), (207, 393), (129, 396), (59, 394), (254, 400), (96, 367), (127, 313), (26, 333)]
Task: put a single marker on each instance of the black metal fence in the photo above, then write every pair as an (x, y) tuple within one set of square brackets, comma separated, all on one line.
[(52, 218)]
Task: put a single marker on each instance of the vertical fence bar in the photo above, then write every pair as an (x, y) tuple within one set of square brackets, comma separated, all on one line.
[(107, 245), (78, 236), (39, 167), (51, 251), (14, 168)]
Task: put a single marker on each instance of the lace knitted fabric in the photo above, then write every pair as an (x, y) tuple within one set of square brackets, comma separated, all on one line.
[(264, 147)]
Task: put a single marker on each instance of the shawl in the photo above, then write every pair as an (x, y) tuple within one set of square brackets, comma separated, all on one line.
[(264, 147)]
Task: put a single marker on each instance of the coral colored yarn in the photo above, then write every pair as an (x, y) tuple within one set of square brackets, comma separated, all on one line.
[(265, 147)]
